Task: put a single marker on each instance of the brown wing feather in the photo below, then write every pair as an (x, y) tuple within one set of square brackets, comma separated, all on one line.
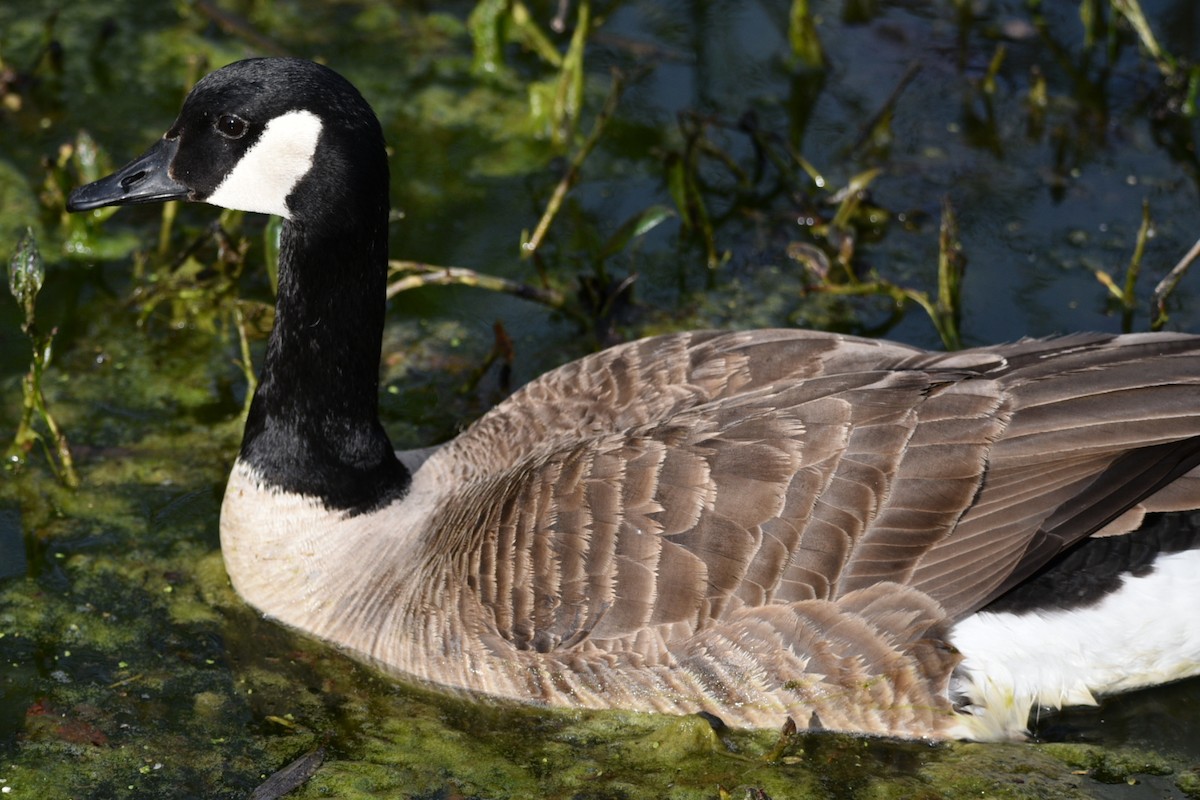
[(1082, 446), (721, 473)]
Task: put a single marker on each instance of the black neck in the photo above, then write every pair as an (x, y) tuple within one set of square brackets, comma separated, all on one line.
[(313, 426)]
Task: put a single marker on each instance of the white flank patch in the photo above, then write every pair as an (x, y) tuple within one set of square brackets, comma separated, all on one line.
[(1145, 633), (268, 171)]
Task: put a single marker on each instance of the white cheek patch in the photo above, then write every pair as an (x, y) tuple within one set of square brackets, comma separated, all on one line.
[(266, 173)]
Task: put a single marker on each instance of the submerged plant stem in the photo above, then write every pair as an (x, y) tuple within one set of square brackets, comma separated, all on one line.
[(415, 275), (1158, 303), (62, 449), (58, 450), (247, 361), (568, 94), (1129, 299), (169, 211), (951, 266), (889, 105), (1126, 294), (530, 246)]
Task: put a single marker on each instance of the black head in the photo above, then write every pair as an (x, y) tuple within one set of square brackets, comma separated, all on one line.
[(278, 135)]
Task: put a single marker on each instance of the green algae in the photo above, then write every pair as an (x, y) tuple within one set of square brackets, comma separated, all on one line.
[(1189, 783), (1110, 766)]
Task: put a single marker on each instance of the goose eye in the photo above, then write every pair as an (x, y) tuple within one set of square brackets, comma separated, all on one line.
[(231, 126)]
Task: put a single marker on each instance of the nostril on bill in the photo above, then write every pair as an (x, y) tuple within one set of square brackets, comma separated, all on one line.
[(129, 181)]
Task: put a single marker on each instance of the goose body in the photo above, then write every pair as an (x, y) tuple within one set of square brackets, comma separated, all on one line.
[(856, 534)]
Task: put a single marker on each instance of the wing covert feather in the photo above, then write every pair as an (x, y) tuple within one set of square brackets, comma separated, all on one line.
[(721, 473)]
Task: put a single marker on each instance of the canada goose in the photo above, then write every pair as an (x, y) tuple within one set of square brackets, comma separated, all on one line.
[(857, 534)]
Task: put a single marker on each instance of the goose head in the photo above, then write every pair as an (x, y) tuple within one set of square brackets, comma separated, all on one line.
[(280, 136), (293, 138)]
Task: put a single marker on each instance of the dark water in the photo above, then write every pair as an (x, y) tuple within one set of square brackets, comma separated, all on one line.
[(128, 668)]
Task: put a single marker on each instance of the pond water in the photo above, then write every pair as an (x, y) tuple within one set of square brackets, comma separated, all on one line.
[(127, 666)]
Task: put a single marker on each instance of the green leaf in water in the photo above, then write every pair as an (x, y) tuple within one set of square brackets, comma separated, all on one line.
[(685, 191), (677, 187), (850, 198), (1131, 10), (568, 99), (1092, 18), (638, 225), (802, 35), (486, 27), (26, 273), (527, 32)]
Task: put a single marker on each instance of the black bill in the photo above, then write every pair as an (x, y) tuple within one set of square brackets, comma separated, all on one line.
[(144, 180)]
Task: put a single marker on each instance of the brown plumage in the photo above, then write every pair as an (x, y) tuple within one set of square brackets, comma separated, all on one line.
[(756, 524)]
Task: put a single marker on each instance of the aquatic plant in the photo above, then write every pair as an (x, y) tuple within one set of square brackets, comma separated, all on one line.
[(26, 274)]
